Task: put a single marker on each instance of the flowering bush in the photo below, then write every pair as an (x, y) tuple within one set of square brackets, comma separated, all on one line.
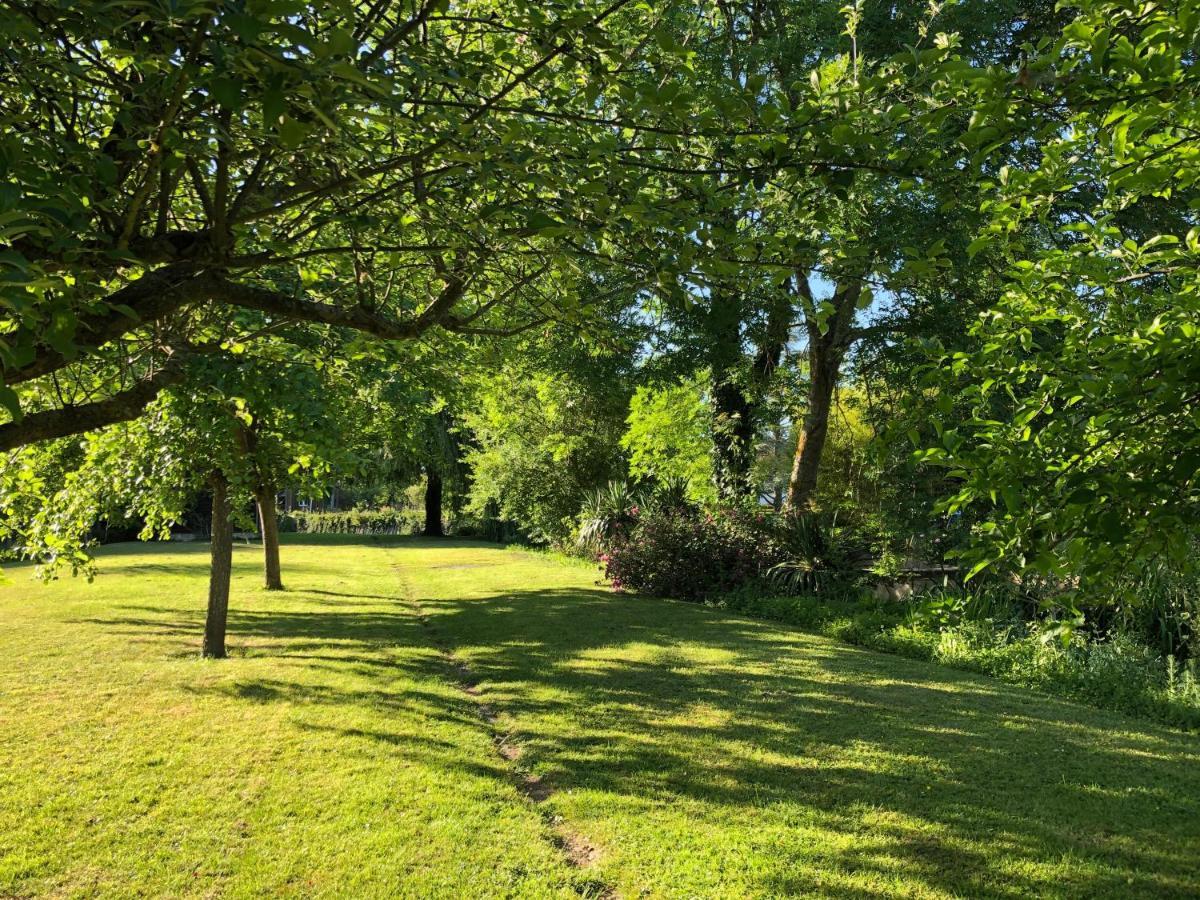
[(676, 552)]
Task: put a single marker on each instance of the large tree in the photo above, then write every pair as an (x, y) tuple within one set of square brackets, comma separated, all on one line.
[(1080, 446), (389, 167), (839, 177)]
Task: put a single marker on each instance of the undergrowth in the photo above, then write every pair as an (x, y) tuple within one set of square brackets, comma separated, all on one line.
[(1117, 673)]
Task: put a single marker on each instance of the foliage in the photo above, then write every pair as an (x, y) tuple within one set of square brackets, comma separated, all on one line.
[(668, 436), (943, 608), (1160, 606), (961, 630), (383, 521), (819, 555), (539, 443), (683, 244), (848, 480), (1081, 451), (609, 514), (690, 555), (215, 170), (257, 424)]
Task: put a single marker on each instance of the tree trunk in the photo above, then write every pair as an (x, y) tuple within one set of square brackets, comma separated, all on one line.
[(733, 438), (269, 526), (433, 504), (825, 351), (739, 386), (810, 443), (222, 564)]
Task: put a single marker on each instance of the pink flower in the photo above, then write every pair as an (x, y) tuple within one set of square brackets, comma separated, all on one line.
[(633, 510)]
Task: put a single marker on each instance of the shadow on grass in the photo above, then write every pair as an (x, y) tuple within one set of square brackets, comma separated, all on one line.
[(938, 778), (793, 719)]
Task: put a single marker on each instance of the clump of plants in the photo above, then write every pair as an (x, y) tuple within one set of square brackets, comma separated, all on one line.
[(687, 554), (658, 542), (385, 521)]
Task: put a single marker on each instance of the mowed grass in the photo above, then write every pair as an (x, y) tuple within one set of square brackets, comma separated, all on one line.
[(701, 754), (330, 755)]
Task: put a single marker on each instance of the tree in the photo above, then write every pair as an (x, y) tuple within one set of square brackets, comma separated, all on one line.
[(539, 441), (443, 463), (265, 491), (221, 539), (234, 429), (668, 436), (1081, 453), (841, 150), (390, 171)]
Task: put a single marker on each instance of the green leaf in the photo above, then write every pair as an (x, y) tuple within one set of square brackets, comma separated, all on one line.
[(11, 402), (228, 92)]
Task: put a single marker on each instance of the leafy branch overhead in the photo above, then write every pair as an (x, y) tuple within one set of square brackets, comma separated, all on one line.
[(396, 170)]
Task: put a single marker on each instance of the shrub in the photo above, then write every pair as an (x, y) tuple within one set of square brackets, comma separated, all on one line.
[(1162, 606), (818, 555), (609, 515), (679, 553), (388, 520)]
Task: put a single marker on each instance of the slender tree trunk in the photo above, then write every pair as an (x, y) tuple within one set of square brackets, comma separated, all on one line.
[(810, 443), (433, 504), (264, 498), (825, 352), (269, 526), (729, 409), (222, 564)]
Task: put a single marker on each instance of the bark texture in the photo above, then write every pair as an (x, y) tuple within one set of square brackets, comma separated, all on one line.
[(269, 527), (826, 350), (222, 563)]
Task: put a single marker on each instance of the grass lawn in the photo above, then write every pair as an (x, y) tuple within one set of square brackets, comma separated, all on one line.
[(446, 719)]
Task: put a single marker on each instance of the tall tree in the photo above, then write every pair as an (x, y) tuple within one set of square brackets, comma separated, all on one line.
[(1080, 448)]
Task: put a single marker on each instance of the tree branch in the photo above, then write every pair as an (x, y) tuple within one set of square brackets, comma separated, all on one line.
[(122, 407), (357, 317), (151, 297)]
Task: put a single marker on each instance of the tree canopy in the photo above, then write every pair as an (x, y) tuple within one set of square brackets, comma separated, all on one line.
[(536, 247)]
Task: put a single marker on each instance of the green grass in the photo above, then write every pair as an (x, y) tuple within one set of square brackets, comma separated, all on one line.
[(701, 754), (1119, 672)]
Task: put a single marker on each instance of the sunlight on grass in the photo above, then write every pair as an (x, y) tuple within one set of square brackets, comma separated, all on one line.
[(329, 756), (700, 753), (716, 756)]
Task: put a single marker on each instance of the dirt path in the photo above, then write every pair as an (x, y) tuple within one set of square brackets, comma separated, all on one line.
[(577, 850)]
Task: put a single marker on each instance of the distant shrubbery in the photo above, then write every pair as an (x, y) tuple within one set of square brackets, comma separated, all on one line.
[(387, 520)]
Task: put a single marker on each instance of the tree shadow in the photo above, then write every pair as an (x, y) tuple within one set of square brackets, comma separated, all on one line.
[(927, 776), (948, 762)]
